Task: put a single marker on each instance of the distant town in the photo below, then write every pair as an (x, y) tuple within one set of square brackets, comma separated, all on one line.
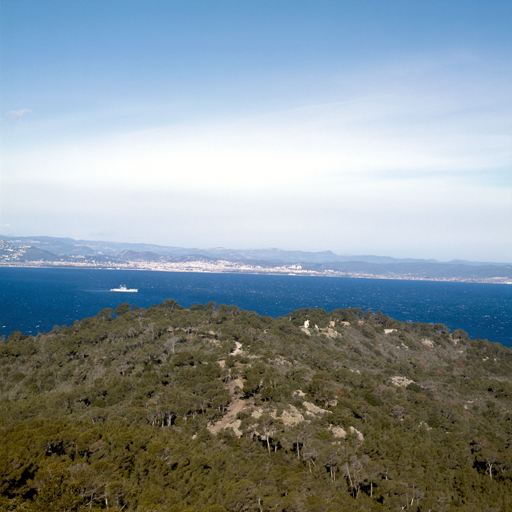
[(15, 253)]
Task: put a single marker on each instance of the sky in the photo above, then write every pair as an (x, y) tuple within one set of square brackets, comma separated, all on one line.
[(356, 126)]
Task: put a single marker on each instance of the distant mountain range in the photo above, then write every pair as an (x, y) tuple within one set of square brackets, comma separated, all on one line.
[(51, 250)]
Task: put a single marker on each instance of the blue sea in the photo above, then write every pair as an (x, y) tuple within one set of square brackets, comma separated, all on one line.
[(33, 300)]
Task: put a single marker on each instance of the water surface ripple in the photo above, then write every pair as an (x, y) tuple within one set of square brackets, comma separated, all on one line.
[(33, 300)]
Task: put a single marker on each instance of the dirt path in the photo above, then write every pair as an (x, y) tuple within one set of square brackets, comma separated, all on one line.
[(236, 406), (233, 384)]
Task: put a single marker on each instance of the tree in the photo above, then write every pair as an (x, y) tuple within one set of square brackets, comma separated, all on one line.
[(297, 436), (354, 470), (170, 304), (171, 343), (321, 389), (373, 471), (106, 313), (267, 425), (123, 308)]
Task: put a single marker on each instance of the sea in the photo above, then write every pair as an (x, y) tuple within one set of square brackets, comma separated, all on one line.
[(34, 300)]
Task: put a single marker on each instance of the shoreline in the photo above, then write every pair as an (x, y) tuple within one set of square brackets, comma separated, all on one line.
[(226, 267)]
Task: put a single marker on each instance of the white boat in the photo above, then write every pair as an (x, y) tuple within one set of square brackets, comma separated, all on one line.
[(123, 288)]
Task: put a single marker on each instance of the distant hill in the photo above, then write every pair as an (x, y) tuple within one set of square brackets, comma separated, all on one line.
[(420, 269), (24, 253), (130, 255), (65, 246), (213, 409), (93, 253)]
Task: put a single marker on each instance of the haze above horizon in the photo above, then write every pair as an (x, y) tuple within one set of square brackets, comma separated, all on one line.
[(360, 127)]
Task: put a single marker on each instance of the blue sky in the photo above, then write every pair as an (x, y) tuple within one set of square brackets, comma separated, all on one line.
[(363, 127)]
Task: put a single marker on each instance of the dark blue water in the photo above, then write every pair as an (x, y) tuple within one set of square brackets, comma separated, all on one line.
[(34, 300)]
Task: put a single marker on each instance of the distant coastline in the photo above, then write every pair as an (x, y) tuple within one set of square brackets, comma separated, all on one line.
[(227, 267), (50, 252)]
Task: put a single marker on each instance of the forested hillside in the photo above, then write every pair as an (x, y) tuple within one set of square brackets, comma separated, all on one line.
[(214, 409)]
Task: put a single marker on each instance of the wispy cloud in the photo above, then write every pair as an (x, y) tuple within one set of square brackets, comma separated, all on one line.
[(411, 162), (16, 116), (306, 147)]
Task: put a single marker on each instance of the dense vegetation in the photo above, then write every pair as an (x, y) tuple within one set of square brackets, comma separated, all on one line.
[(215, 409)]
